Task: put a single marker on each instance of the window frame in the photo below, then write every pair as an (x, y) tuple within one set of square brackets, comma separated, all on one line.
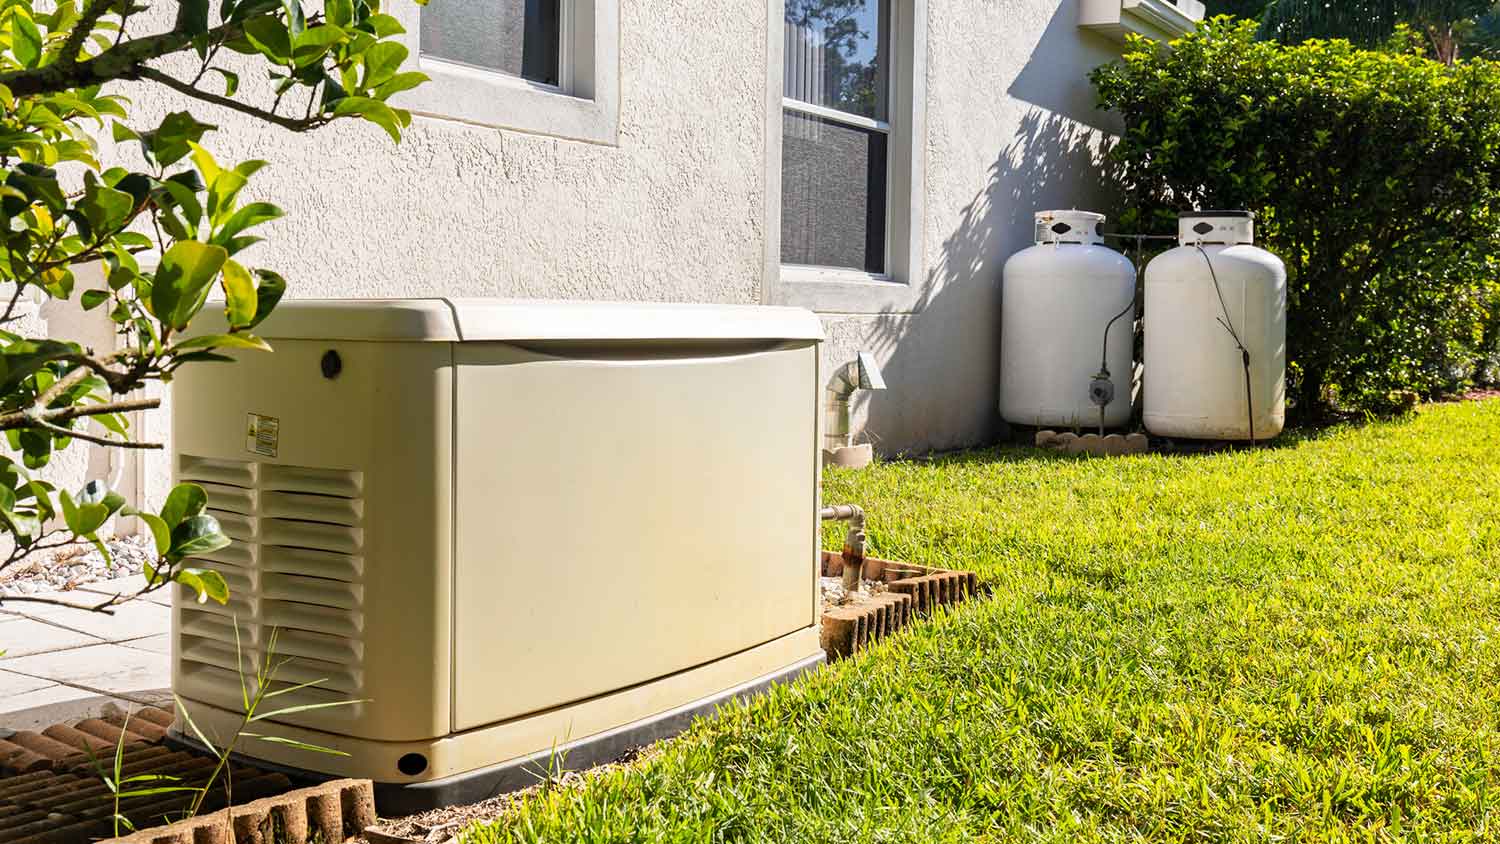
[(845, 290), (583, 106)]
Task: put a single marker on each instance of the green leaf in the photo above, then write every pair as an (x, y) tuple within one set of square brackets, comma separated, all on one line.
[(26, 39), (187, 201), (161, 535), (207, 582), (92, 299), (269, 292), (192, 16), (300, 745), (106, 208), (313, 44), (295, 19), (183, 278), (246, 217), (269, 36), (372, 110), (306, 707), (382, 61), (222, 341), (184, 501), (384, 26), (123, 133), (239, 295), (400, 82), (165, 789), (187, 718), (196, 535), (83, 519), (204, 161), (339, 12), (167, 144)]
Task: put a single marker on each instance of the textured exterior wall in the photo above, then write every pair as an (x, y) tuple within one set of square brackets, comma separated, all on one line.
[(676, 211)]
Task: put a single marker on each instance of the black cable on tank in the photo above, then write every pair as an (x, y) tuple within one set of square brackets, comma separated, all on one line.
[(1244, 352)]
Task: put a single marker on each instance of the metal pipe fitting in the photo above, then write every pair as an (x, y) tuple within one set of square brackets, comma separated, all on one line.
[(854, 541), (862, 373)]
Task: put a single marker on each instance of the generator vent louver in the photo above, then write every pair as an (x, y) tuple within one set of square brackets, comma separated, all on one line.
[(296, 567)]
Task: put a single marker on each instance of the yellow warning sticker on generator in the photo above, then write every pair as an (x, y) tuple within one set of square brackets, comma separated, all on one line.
[(263, 435)]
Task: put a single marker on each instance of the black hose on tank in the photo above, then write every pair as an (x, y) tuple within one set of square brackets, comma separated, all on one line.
[(1244, 352)]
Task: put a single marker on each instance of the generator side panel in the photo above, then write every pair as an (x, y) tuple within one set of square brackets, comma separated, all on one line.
[(330, 466), (626, 515)]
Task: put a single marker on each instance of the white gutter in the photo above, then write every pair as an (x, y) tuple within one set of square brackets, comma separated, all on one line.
[(1161, 20)]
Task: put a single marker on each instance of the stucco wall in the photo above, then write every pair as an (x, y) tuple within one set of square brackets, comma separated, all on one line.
[(676, 210)]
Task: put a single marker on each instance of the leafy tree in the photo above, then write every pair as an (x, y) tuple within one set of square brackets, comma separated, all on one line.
[(1445, 24), (1376, 177), (1236, 8), (180, 210)]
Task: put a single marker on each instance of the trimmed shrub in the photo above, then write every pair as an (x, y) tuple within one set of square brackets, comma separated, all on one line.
[(1375, 176)]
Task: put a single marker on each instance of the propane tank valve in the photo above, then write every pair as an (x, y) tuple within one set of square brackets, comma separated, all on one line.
[(1102, 389)]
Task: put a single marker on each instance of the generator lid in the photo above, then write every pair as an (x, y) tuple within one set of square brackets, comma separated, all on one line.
[(461, 320)]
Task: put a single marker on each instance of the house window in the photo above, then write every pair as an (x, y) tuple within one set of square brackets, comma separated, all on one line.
[(517, 37), (846, 132), (835, 137), (544, 66)]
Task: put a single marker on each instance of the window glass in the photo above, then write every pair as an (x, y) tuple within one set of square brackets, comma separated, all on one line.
[(833, 194), (516, 37), (837, 54)]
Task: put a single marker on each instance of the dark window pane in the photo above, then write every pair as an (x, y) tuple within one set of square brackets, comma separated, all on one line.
[(518, 37), (833, 194), (837, 54)]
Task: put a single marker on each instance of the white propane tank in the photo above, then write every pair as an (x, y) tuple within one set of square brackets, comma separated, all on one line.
[(1058, 297), (1195, 378)]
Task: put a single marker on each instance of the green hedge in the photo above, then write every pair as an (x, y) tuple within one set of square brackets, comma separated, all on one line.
[(1376, 176)]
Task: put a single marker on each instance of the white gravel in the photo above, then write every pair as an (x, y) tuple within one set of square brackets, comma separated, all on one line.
[(69, 568), (834, 594)]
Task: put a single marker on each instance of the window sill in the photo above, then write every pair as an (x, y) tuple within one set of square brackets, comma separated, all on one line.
[(586, 109), (1161, 20), (485, 98), (828, 290)]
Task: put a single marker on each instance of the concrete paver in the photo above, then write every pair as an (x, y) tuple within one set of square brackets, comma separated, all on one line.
[(24, 636), (56, 704), (161, 643), (61, 664), (105, 669), (12, 684), (131, 620)]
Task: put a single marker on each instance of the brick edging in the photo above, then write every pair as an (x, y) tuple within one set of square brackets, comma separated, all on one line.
[(913, 590), (331, 813)]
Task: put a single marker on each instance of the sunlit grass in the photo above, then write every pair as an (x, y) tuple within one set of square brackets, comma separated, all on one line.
[(1292, 644)]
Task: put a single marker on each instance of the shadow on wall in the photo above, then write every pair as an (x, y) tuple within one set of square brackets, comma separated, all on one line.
[(1061, 86), (950, 343)]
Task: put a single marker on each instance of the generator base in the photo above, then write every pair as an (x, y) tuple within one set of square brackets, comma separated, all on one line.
[(516, 743), (395, 799)]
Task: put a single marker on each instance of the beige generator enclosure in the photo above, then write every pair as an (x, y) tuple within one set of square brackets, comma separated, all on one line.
[(505, 528)]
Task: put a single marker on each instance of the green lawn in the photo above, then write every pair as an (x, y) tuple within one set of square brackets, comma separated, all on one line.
[(1297, 644)]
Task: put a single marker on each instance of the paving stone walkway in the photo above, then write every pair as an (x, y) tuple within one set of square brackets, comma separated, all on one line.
[(61, 664)]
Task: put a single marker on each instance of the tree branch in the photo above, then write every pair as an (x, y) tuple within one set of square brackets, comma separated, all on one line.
[(91, 438), (82, 29), (104, 607), (122, 62), (26, 419), (290, 123)]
